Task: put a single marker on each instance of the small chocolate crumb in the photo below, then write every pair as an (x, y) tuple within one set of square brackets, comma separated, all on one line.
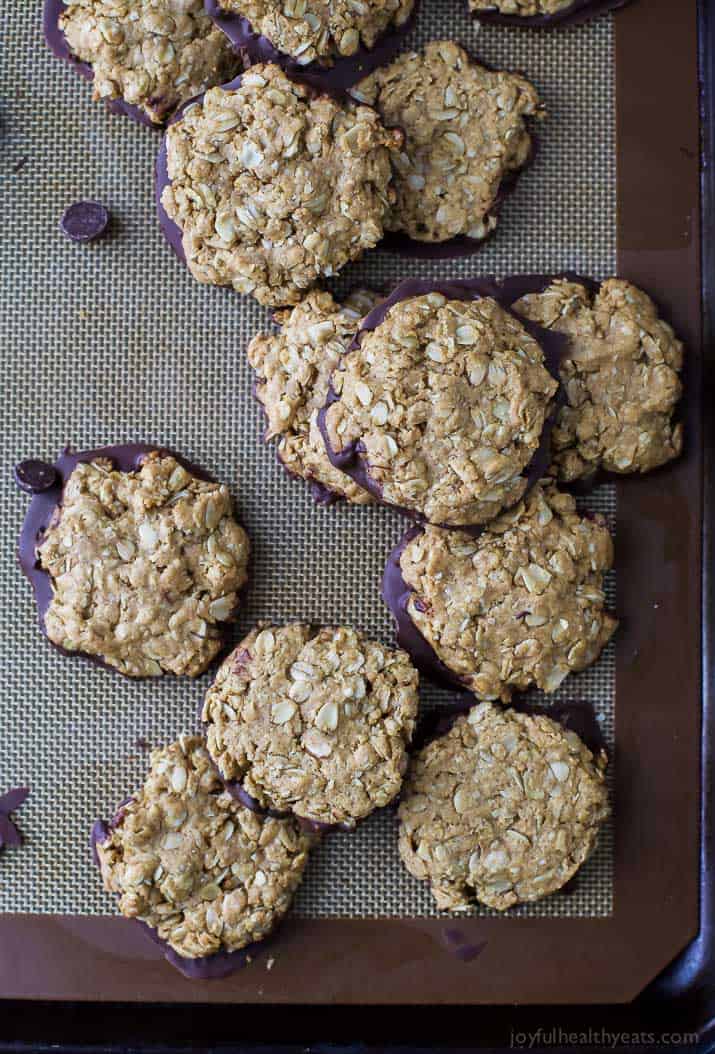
[(34, 477), (85, 221)]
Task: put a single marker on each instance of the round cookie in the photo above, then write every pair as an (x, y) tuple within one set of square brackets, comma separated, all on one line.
[(144, 57), (136, 560), (465, 139), (502, 810), (441, 404), (294, 368), (541, 13), (521, 605), (620, 377), (313, 721), (208, 876), (273, 187), (329, 45)]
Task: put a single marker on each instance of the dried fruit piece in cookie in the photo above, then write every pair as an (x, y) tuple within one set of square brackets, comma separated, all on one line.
[(208, 876), (521, 605), (440, 407), (332, 44), (465, 134), (294, 368), (541, 12), (274, 186), (145, 57), (315, 721), (501, 810), (136, 560), (620, 377)]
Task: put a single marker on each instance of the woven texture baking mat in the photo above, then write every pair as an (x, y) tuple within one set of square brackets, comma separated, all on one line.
[(114, 342)]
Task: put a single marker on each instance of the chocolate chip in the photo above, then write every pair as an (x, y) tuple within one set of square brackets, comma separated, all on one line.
[(85, 221), (35, 477)]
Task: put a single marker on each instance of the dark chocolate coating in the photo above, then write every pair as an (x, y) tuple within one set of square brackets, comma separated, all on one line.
[(206, 968), (336, 79), (126, 458), (34, 477), (553, 345), (573, 715), (85, 221), (57, 43), (579, 11)]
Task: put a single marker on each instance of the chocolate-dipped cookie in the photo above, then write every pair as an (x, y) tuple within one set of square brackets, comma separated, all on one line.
[(135, 558), (209, 878), (522, 605), (466, 139), (144, 57), (293, 368), (272, 186), (313, 721), (620, 376), (501, 810), (441, 407)]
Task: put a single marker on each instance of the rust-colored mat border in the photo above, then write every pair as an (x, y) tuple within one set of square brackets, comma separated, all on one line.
[(527, 960)]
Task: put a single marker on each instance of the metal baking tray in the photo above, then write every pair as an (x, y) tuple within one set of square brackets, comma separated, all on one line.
[(653, 944)]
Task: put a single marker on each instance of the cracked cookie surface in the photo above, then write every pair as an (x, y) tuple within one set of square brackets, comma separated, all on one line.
[(294, 368), (186, 859), (621, 378), (146, 566), (446, 401), (464, 133), (522, 604), (274, 186), (501, 810), (316, 722), (318, 30), (153, 54)]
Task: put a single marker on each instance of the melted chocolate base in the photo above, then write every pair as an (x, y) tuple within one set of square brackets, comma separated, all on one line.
[(57, 43), (579, 12), (44, 505), (336, 79)]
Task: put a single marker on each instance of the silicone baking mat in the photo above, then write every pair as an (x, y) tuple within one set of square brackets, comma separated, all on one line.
[(115, 342)]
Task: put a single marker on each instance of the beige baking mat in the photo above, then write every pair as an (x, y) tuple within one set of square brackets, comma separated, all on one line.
[(114, 342)]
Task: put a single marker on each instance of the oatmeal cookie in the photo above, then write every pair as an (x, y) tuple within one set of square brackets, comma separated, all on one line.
[(465, 135), (274, 186), (151, 55), (440, 408), (294, 368), (206, 874), (316, 722), (315, 31), (620, 377), (502, 810), (541, 12), (145, 561), (521, 605)]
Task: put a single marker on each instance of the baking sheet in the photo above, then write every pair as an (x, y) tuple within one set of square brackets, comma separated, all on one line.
[(115, 342)]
